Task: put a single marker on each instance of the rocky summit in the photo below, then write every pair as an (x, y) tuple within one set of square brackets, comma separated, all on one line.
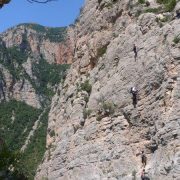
[(95, 130)]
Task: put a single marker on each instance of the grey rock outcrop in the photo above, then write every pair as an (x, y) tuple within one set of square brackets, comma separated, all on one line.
[(97, 133)]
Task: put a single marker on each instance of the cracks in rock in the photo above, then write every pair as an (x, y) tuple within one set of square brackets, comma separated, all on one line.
[(127, 117), (116, 16), (2, 84), (12, 84), (22, 85)]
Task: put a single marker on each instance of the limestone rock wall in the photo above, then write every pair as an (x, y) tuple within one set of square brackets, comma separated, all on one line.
[(97, 134), (21, 90), (17, 75), (54, 52)]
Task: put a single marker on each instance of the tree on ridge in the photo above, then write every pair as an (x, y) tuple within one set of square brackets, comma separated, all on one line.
[(3, 2)]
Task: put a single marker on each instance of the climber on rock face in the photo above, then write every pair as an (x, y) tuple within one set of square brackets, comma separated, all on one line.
[(135, 52), (178, 14), (143, 174), (134, 95), (143, 159)]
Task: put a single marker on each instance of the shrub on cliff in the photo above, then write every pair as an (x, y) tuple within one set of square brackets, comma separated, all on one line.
[(105, 109), (176, 39), (86, 86), (108, 108), (141, 1), (169, 4), (101, 51), (86, 113)]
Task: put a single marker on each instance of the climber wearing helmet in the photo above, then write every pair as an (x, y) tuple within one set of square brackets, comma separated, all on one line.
[(134, 95), (143, 174), (143, 159), (178, 14)]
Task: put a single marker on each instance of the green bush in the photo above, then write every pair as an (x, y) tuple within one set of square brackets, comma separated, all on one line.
[(86, 98), (108, 5), (99, 117), (105, 109), (101, 51), (141, 1), (86, 113), (86, 86), (169, 4), (165, 19), (52, 133), (108, 108), (162, 1), (152, 10), (176, 39)]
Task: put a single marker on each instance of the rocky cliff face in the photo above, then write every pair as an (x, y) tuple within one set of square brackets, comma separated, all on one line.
[(33, 61), (25, 51), (53, 44), (94, 131)]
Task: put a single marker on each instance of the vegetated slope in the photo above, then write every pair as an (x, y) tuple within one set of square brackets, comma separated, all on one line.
[(57, 34), (28, 80), (34, 153), (16, 122), (95, 132)]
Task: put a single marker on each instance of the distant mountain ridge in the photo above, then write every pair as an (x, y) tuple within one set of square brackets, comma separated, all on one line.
[(26, 48)]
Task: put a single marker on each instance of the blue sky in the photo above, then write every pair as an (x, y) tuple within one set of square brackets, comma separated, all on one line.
[(54, 14)]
